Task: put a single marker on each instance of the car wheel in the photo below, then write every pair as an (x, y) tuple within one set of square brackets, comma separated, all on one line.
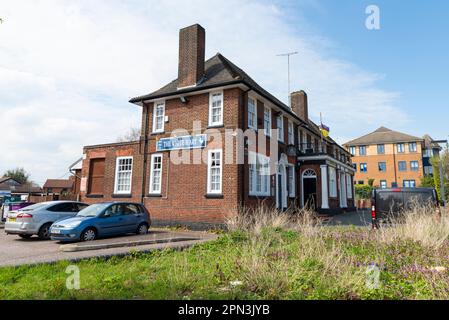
[(142, 229), (44, 231), (88, 235), (25, 236)]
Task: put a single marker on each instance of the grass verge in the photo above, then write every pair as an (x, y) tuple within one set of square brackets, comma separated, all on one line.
[(269, 257)]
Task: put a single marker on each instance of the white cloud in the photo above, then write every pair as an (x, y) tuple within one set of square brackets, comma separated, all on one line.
[(68, 68)]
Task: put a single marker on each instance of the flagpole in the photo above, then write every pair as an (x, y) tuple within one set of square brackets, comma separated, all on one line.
[(321, 130)]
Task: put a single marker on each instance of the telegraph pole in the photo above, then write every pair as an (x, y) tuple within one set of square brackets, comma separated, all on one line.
[(288, 54)]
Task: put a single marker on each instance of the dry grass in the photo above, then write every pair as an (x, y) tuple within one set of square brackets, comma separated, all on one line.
[(268, 263), (332, 261), (255, 220), (419, 224)]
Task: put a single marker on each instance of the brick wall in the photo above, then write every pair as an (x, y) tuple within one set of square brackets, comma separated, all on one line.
[(392, 173), (184, 186), (183, 198), (110, 154)]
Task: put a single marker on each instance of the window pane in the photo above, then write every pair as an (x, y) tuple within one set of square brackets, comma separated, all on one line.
[(215, 171), (216, 108), (252, 117), (123, 175), (155, 175)]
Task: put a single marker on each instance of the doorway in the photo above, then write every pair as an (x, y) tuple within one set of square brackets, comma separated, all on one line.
[(309, 196)]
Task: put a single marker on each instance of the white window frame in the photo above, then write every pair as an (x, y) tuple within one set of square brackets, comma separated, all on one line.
[(220, 122), (383, 148), (304, 144), (281, 128), (153, 156), (117, 165), (156, 105), (349, 186), (414, 168), (291, 132), (385, 185), (402, 149), (267, 130), (291, 182), (415, 147), (365, 164), (332, 182), (262, 174), (252, 116), (209, 167), (352, 150), (364, 150)]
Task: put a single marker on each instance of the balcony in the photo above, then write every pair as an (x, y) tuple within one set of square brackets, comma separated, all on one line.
[(311, 149), (321, 149)]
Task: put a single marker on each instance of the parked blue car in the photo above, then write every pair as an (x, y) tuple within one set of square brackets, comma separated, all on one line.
[(102, 220)]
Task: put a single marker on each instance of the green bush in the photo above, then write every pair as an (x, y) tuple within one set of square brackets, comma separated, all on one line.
[(363, 191)]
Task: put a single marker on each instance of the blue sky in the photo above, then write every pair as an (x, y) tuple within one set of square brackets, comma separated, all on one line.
[(68, 68), (410, 51)]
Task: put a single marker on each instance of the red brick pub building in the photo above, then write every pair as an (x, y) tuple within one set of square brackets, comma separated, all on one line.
[(297, 167)]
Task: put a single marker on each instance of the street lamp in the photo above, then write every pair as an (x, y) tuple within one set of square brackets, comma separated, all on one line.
[(443, 191)]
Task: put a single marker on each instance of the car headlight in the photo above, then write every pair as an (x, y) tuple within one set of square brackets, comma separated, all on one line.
[(72, 225)]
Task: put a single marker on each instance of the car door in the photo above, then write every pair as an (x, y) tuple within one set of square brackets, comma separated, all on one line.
[(133, 217), (112, 220)]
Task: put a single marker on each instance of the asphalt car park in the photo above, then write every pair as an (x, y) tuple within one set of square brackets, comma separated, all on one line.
[(17, 251)]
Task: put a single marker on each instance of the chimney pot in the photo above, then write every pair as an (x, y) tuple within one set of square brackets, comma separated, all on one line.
[(192, 43)]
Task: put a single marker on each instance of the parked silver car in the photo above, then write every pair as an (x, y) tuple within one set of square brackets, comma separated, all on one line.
[(37, 218)]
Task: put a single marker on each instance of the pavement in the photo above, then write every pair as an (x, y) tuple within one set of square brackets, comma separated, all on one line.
[(17, 251)]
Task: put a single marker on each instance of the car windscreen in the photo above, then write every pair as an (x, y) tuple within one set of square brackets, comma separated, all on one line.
[(92, 210)]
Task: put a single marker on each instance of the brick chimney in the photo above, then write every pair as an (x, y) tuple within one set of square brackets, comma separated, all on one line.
[(192, 43), (299, 105)]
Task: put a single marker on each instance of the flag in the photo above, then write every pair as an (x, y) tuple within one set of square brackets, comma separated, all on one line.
[(324, 130)]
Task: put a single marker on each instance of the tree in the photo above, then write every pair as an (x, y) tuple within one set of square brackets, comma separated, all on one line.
[(18, 174), (442, 160), (363, 191), (427, 182), (132, 135)]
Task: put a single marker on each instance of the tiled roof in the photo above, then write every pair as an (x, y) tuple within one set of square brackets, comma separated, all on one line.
[(20, 188), (381, 136), (58, 183), (2, 179)]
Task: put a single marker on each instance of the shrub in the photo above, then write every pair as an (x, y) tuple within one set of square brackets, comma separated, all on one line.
[(363, 191)]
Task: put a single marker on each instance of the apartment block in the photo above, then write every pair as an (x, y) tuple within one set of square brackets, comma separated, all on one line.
[(391, 158)]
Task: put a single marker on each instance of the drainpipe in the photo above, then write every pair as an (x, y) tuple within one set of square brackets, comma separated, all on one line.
[(145, 153), (394, 160)]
